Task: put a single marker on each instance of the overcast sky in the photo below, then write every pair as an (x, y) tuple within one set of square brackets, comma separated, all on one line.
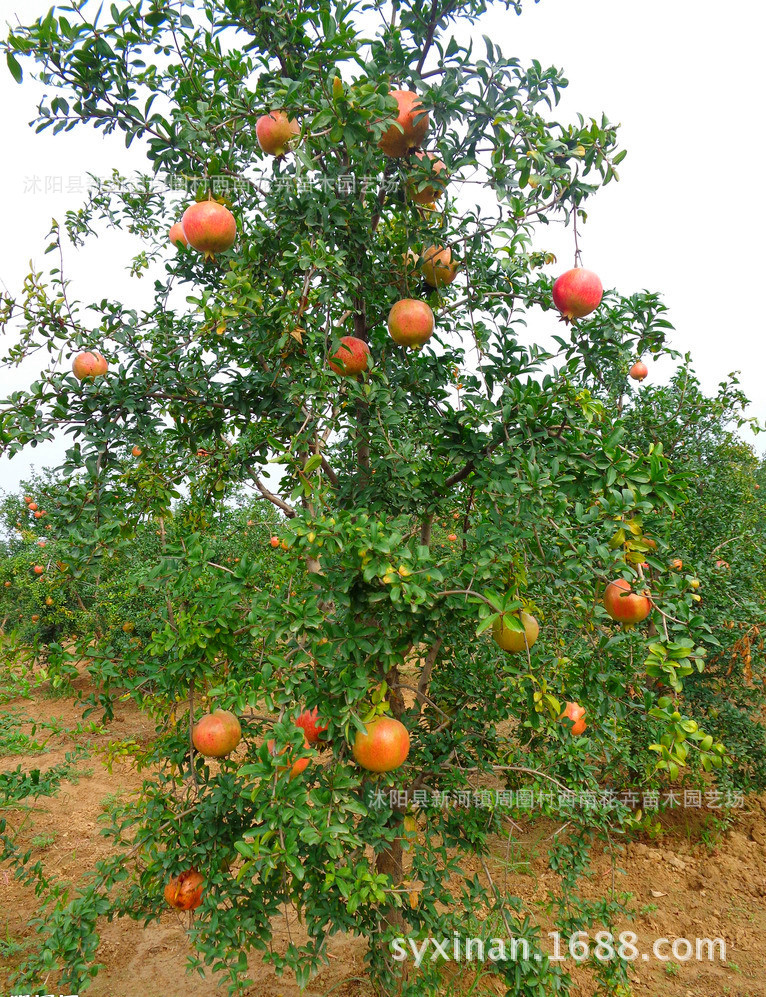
[(682, 77)]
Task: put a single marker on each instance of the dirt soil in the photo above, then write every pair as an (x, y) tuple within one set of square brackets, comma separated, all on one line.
[(682, 888)]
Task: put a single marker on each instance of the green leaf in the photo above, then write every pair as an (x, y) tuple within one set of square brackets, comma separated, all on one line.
[(14, 66), (486, 623)]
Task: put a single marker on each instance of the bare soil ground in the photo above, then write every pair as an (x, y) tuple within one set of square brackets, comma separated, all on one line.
[(682, 887)]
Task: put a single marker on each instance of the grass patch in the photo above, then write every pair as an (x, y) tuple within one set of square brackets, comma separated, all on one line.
[(43, 840)]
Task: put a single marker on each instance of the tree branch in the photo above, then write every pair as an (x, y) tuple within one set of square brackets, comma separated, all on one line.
[(274, 499), (425, 677)]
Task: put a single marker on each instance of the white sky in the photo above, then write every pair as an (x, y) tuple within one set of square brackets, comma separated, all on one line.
[(682, 77)]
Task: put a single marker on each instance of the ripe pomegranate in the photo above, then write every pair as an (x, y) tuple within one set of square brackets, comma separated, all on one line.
[(33, 506), (437, 268), (39, 514), (35, 617), (28, 499), (274, 131), (435, 188), (623, 604), (41, 543), (352, 356), (576, 714), (516, 640), (274, 541), (407, 132), (312, 727), (577, 293), (411, 322), (48, 600), (7, 585), (452, 537), (217, 734), (87, 366), (38, 569), (176, 235), (638, 371), (136, 451), (383, 747), (184, 892), (209, 227), (297, 767)]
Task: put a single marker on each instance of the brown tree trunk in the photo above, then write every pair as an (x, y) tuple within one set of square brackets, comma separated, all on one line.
[(390, 863)]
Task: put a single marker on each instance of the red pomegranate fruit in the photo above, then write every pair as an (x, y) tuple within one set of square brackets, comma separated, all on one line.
[(411, 322), (351, 357), (577, 293), (274, 132), (576, 714), (384, 747), (623, 604), (217, 734), (209, 227), (184, 892), (410, 127), (435, 187), (638, 371), (437, 267), (88, 365), (297, 767), (176, 235), (312, 727)]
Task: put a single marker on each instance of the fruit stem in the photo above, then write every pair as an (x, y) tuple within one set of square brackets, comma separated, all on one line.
[(191, 732)]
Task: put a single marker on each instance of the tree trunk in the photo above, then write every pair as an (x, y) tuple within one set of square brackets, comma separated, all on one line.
[(391, 860)]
